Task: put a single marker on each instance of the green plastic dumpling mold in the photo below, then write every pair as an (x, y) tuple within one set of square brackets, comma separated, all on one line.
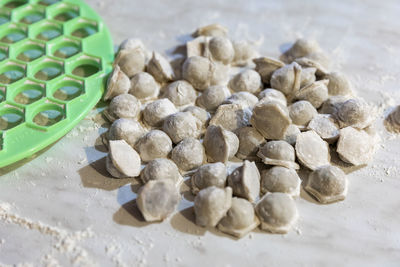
[(54, 59)]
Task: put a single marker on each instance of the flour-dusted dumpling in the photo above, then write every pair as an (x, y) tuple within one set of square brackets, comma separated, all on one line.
[(196, 46), (182, 125), (291, 134), (244, 53), (131, 61), (355, 113), (212, 174), (160, 68), (280, 179), (307, 76), (112, 169), (271, 119), (157, 199), (392, 121), (270, 94), (249, 141), (287, 79), (245, 99), (211, 30), (161, 169), (126, 129), (265, 66), (248, 80), (338, 84), (202, 115), (245, 181), (155, 112), (123, 106), (117, 84), (211, 204), (240, 218), (221, 49), (355, 146), (203, 73), (220, 145), (327, 184), (212, 97), (332, 105), (231, 117), (318, 63), (124, 158), (188, 154), (301, 113), (301, 48), (131, 43), (277, 212), (325, 126), (311, 151), (315, 93), (155, 144), (278, 153), (180, 93), (144, 86)]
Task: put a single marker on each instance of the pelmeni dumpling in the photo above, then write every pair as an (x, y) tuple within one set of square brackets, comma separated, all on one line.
[(278, 153), (332, 105), (248, 80), (307, 76), (211, 204), (311, 151), (182, 125), (271, 119), (245, 99), (202, 115), (131, 61), (291, 134), (355, 146), (124, 158), (212, 174), (280, 179), (266, 66), (155, 144), (277, 212), (355, 113), (118, 83), (214, 29), (231, 117), (161, 169), (249, 141), (392, 121), (212, 97), (244, 53), (301, 113), (144, 86), (301, 48), (245, 181), (287, 79), (155, 112), (270, 94), (220, 145), (325, 126), (157, 199), (160, 68), (240, 218), (221, 49), (327, 184), (315, 93), (188, 154), (180, 93), (338, 84), (126, 129), (123, 106)]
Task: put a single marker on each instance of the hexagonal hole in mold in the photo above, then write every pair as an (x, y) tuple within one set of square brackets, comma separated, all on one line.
[(85, 66), (48, 114), (4, 16), (48, 2), (48, 69), (84, 28), (64, 12), (14, 33), (30, 50), (2, 93), (28, 93), (46, 30), (14, 3), (11, 72), (31, 14), (68, 89), (10, 117), (66, 48)]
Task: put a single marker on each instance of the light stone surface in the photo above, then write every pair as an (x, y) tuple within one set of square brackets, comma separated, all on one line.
[(67, 188)]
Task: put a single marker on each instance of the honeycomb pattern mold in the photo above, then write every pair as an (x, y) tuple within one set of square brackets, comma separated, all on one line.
[(54, 59)]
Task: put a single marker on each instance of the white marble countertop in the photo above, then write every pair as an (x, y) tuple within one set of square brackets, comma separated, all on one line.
[(62, 208)]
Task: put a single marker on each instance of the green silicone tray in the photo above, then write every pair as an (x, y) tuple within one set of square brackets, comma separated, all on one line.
[(54, 59)]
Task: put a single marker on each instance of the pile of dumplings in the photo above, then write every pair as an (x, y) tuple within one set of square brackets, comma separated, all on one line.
[(220, 105)]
